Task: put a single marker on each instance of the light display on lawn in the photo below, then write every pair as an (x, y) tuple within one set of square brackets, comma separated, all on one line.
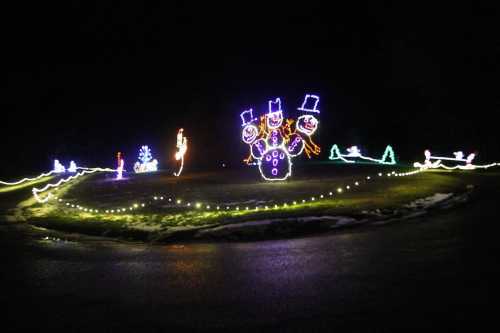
[(58, 167), (354, 153), (37, 191), (463, 163), (274, 141), (197, 205), (181, 146), (146, 162), (120, 164)]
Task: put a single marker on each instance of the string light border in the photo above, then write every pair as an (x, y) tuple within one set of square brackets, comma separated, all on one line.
[(37, 191), (459, 157), (177, 202)]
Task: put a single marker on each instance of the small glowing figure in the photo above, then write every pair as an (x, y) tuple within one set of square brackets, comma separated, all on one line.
[(58, 167), (120, 166), (353, 152), (181, 150), (72, 167), (146, 164)]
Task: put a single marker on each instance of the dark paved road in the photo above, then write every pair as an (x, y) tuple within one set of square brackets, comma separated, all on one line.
[(437, 273)]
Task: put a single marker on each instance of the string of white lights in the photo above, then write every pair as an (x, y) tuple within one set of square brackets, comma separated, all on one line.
[(438, 164), (37, 191), (459, 157), (27, 179), (469, 166), (180, 203), (42, 175)]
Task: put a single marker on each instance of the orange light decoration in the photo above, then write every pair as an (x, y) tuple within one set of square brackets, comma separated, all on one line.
[(181, 146)]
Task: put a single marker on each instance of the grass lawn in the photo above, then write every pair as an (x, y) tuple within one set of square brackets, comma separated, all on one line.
[(236, 189)]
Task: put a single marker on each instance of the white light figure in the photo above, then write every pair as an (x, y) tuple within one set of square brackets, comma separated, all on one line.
[(181, 146), (72, 167), (354, 152), (58, 167), (120, 166), (146, 164), (459, 157)]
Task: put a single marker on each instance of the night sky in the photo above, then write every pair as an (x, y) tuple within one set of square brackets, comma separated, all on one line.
[(83, 81)]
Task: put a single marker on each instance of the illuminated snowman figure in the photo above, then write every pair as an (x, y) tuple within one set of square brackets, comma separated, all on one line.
[(272, 151), (273, 143), (275, 162)]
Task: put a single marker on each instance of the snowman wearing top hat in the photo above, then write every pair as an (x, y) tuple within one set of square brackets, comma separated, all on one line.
[(275, 140)]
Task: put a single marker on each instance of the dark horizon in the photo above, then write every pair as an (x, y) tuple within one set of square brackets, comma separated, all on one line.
[(84, 82)]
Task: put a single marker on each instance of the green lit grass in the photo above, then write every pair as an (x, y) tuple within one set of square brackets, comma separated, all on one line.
[(95, 191)]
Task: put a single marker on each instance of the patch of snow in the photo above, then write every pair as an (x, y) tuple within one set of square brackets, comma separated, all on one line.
[(144, 226), (429, 201), (341, 220)]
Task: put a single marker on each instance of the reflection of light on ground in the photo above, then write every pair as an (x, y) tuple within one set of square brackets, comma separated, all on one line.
[(297, 264), (190, 264), (191, 249)]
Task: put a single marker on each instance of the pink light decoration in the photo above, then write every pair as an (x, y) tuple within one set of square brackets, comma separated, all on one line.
[(120, 166)]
